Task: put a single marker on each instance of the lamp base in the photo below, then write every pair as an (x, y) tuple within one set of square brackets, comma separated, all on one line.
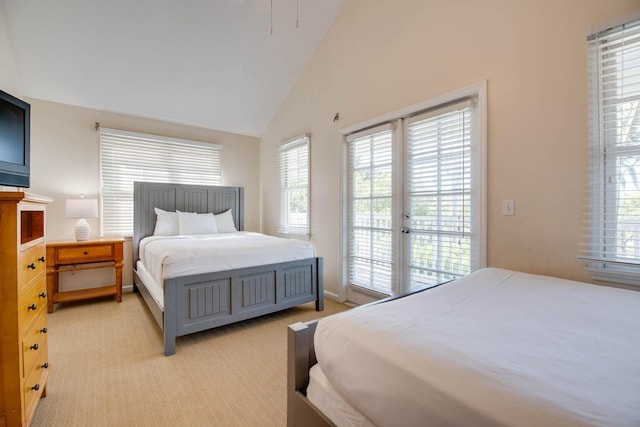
[(82, 230)]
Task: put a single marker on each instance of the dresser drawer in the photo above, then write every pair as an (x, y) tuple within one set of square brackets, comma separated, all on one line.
[(34, 384), (31, 264), (30, 304), (34, 342), (81, 254)]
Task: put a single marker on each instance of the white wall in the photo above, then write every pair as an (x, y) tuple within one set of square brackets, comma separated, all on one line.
[(384, 55)]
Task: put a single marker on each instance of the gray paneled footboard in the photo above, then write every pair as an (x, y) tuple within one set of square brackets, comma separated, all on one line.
[(204, 301)]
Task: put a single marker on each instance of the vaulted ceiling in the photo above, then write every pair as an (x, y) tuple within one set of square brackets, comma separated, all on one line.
[(218, 64)]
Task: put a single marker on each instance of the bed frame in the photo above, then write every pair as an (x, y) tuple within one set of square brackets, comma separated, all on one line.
[(199, 302), (301, 356)]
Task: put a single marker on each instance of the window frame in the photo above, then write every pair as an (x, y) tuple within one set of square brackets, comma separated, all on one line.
[(376, 134), (458, 148), (286, 227)]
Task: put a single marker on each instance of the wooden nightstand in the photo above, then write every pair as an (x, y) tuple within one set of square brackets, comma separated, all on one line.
[(86, 255)]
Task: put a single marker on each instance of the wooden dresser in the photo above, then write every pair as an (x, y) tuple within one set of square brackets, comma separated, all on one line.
[(24, 365)]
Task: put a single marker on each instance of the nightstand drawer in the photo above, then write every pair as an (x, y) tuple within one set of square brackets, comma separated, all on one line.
[(81, 254), (34, 342), (31, 263)]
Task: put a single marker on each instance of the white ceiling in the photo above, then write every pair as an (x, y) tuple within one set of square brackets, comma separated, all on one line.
[(207, 63)]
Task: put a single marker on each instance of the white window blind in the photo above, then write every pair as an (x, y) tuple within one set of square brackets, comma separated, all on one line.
[(126, 157), (370, 209), (439, 194), (613, 249), (293, 166)]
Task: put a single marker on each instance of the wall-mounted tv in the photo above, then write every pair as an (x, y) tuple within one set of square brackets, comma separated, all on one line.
[(15, 125)]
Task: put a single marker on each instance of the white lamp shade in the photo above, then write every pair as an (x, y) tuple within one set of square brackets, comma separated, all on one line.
[(82, 208)]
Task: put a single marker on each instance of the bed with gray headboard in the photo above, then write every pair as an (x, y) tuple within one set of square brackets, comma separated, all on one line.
[(188, 300)]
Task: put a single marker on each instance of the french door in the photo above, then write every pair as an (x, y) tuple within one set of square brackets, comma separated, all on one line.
[(414, 200)]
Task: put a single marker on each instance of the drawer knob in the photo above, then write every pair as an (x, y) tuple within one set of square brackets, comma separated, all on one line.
[(35, 346), (43, 330), (85, 253), (45, 365), (36, 387), (32, 307), (32, 266), (42, 259), (42, 295)]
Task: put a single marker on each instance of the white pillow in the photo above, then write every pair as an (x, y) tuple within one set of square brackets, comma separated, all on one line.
[(192, 223), (166, 223), (224, 221)]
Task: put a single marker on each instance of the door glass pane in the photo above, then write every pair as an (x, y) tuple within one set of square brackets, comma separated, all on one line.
[(438, 189), (370, 212)]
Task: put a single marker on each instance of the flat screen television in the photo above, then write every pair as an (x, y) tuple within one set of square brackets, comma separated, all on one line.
[(15, 125)]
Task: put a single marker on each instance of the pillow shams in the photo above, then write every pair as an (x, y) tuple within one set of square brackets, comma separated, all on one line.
[(166, 223), (224, 222), (191, 223)]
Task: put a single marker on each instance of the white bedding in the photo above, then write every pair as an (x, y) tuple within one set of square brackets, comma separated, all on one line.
[(166, 257), (495, 348), (324, 397)]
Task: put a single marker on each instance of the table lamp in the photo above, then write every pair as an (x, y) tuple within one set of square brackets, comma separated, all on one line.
[(82, 208)]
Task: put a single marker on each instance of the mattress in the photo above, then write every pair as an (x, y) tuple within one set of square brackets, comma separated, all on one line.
[(166, 257), (495, 348), (156, 289), (331, 403)]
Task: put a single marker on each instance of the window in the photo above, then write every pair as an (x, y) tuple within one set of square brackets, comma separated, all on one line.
[(415, 195), (613, 250), (293, 165), (126, 157)]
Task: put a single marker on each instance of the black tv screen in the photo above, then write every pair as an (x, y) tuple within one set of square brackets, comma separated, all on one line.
[(15, 123)]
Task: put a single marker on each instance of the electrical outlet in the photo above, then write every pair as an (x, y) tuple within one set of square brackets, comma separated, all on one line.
[(508, 208)]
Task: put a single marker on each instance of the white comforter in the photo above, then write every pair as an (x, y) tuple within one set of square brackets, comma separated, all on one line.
[(174, 256), (495, 348)]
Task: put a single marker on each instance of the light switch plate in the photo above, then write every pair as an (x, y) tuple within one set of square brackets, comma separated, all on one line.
[(508, 208)]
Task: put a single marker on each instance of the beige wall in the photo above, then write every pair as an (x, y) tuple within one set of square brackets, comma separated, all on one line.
[(383, 55), (65, 160)]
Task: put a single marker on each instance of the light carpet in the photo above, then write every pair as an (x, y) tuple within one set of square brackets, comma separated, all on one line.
[(108, 369)]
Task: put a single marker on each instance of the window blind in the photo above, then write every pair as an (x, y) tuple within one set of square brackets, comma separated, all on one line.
[(439, 195), (126, 157), (370, 209), (613, 242), (294, 170)]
